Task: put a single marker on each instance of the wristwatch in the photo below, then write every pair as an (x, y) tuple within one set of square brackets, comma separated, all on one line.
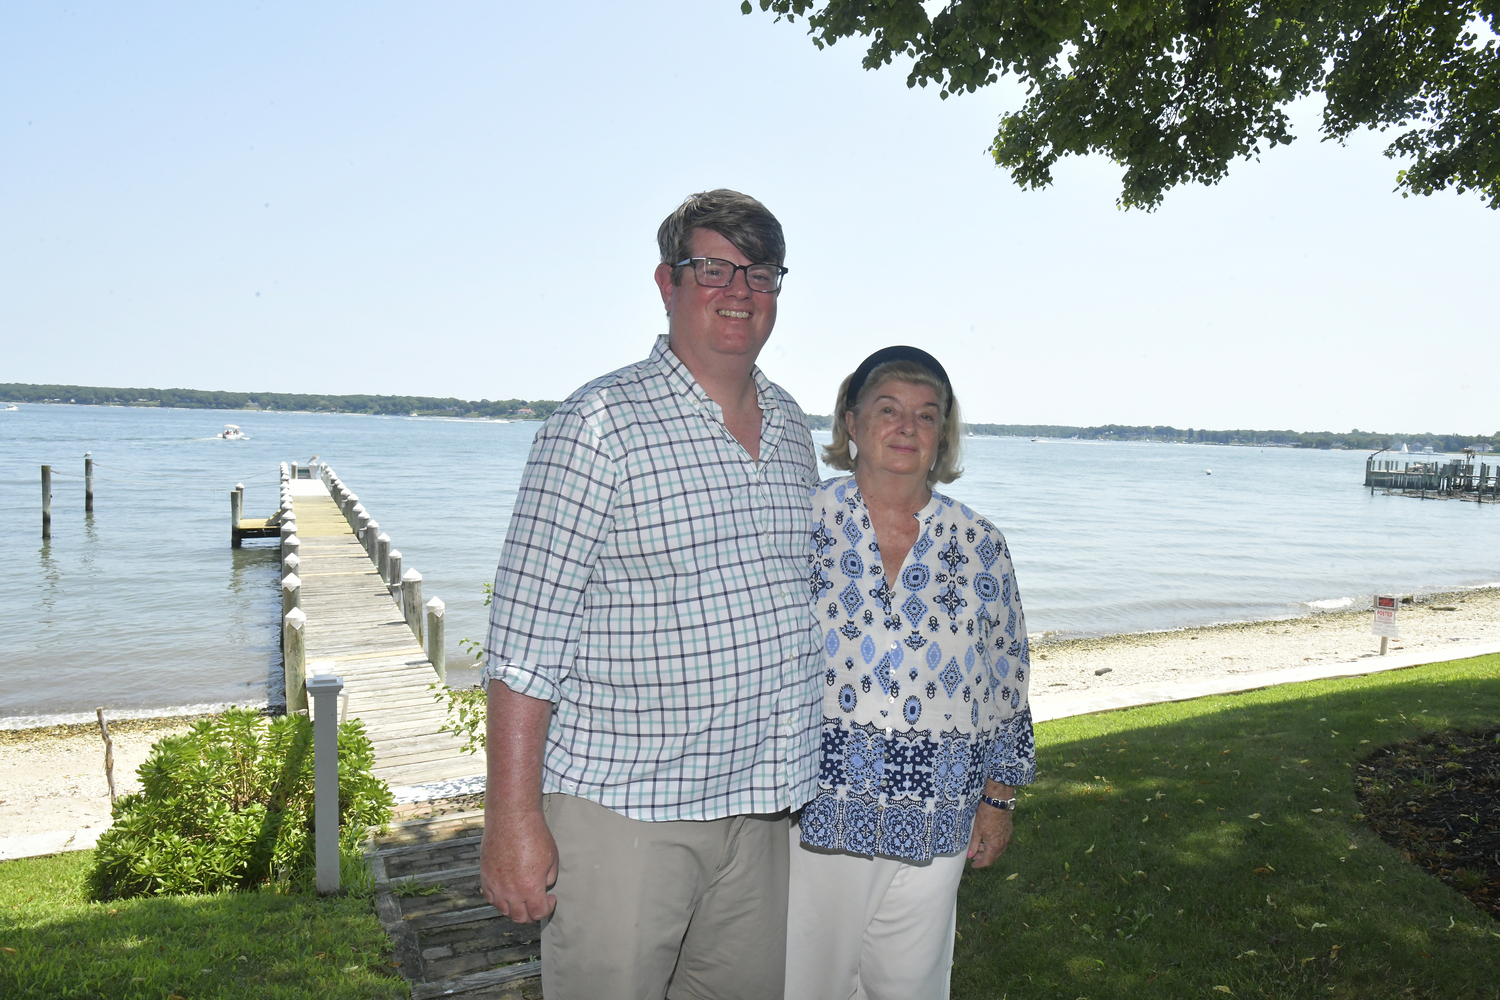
[(1006, 805)]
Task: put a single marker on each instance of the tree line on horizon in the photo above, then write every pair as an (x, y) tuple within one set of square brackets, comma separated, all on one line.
[(205, 399), (540, 409)]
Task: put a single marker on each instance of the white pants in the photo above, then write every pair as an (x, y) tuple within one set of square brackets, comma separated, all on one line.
[(869, 928)]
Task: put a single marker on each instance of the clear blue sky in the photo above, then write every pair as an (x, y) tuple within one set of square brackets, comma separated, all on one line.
[(400, 198)]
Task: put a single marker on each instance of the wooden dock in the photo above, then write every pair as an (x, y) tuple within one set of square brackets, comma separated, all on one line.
[(353, 621), (1453, 478)]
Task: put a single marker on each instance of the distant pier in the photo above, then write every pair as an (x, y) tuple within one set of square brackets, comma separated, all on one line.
[(1439, 479)]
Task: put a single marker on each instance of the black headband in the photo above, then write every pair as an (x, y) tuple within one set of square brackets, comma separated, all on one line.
[(880, 357)]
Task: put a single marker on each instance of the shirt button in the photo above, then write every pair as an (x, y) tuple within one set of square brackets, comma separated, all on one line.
[(893, 699), (895, 644)]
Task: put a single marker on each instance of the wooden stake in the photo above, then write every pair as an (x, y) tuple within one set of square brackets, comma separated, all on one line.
[(88, 482), (46, 502), (109, 754)]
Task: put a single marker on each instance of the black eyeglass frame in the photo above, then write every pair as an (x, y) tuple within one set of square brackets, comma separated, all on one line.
[(781, 272)]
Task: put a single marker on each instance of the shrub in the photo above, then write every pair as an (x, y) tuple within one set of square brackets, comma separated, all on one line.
[(229, 805)]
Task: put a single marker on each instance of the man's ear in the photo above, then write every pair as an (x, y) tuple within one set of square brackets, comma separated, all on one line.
[(664, 282)]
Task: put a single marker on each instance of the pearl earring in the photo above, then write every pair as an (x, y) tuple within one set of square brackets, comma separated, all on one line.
[(853, 450)]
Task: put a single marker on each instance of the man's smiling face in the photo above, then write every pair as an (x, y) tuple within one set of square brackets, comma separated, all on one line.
[(709, 322)]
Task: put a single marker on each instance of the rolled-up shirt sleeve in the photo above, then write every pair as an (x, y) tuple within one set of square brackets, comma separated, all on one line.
[(563, 514), (1012, 757)]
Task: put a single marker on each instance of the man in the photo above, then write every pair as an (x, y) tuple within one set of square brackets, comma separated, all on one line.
[(651, 659)]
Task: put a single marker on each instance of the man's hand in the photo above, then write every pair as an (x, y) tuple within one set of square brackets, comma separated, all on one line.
[(992, 828), (517, 865), (518, 856)]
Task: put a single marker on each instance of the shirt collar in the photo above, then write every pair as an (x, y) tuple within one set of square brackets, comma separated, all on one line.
[(926, 514), (682, 382)]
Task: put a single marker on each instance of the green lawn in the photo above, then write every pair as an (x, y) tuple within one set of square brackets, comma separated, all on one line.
[(1215, 847), (54, 943)]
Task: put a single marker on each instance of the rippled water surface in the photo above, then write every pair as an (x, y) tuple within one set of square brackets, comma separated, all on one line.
[(146, 606)]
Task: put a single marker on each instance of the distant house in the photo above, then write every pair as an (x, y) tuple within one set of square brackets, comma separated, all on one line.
[(525, 411)]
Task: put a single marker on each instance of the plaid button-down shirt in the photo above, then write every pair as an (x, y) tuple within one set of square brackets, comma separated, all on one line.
[(651, 586)]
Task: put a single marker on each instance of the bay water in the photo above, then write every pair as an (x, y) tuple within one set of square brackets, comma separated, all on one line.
[(145, 608)]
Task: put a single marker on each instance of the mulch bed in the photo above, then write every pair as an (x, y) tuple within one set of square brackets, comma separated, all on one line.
[(1436, 799)]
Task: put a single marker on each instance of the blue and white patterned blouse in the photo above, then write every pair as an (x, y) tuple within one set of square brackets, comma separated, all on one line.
[(924, 685)]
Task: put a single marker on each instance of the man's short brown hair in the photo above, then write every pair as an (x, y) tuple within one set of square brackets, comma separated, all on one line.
[(737, 217)]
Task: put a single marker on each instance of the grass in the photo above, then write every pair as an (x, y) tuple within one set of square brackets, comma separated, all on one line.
[(1215, 848), (55, 943)]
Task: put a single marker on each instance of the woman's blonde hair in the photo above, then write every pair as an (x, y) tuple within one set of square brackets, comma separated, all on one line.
[(947, 469)]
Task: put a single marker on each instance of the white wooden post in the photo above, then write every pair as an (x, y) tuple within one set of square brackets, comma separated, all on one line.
[(393, 575), (291, 593), (294, 658), (289, 545), (290, 564), (372, 531), (411, 601), (383, 556), (324, 690), (435, 651)]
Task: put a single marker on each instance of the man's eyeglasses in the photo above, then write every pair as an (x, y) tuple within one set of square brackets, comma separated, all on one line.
[(712, 272)]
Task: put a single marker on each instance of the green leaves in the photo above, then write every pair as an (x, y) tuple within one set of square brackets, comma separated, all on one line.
[(1175, 92), (229, 805)]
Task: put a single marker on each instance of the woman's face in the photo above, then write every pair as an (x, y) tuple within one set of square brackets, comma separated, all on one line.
[(898, 428)]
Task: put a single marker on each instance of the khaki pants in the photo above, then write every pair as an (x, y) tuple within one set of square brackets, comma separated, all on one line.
[(684, 910), (870, 928)]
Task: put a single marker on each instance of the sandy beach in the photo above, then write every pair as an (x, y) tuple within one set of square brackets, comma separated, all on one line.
[(1432, 623), (52, 778), (53, 790)]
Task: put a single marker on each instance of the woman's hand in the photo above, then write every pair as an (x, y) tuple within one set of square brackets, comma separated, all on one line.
[(992, 827)]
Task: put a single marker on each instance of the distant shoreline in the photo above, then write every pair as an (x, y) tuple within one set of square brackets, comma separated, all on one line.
[(540, 409)]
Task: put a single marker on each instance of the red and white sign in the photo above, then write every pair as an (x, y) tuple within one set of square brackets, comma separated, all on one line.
[(1385, 617)]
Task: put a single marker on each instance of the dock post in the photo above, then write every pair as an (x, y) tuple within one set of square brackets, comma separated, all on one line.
[(372, 531), (291, 544), (46, 502), (435, 651), (289, 566), (393, 575), (324, 690), (88, 482), (288, 527), (236, 502), (383, 557), (411, 601), (291, 593), (294, 659)]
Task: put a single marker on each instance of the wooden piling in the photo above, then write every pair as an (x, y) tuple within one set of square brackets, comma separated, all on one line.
[(290, 564), (411, 601), (294, 659), (46, 502), (88, 482), (236, 512), (393, 575), (291, 593), (435, 652), (383, 557), (372, 531)]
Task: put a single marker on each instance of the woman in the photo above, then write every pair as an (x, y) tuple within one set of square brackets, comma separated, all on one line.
[(926, 728)]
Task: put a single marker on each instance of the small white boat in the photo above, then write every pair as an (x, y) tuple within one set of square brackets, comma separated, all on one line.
[(12, 406), (231, 432)]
